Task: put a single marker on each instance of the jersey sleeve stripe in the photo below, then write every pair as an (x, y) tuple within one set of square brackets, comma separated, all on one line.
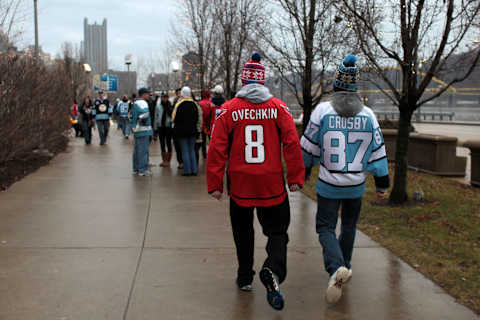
[(372, 161), (309, 139), (380, 153), (378, 148), (310, 147), (313, 155)]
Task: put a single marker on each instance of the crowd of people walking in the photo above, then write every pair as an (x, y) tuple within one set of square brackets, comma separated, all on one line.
[(250, 138), (184, 125)]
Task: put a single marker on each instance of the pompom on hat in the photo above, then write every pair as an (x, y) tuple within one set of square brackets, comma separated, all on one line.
[(346, 76), (186, 92), (253, 71)]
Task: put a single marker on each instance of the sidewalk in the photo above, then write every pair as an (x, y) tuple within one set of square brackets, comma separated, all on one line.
[(84, 239)]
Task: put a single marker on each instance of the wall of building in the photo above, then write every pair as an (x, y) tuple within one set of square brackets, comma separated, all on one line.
[(96, 46)]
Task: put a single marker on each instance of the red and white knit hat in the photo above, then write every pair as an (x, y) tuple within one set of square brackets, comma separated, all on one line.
[(253, 71)]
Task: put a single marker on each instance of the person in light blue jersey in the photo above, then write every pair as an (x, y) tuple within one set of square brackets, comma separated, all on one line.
[(142, 131), (102, 112), (344, 136), (122, 111)]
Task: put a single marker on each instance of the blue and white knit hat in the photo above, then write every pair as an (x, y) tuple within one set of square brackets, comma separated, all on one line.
[(346, 76)]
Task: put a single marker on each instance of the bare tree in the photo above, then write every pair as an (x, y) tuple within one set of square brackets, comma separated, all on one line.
[(427, 32), (77, 77), (237, 22), (197, 34), (305, 40)]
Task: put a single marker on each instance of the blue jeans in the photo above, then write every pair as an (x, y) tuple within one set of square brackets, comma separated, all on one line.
[(140, 154), (103, 126), (188, 154), (124, 124), (337, 252)]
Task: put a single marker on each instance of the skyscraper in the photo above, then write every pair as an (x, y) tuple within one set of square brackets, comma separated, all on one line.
[(95, 46)]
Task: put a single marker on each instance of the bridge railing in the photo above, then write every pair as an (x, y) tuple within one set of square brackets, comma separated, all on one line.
[(418, 116)]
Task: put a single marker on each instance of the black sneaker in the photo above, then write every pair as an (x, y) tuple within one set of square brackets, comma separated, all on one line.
[(244, 286), (274, 297)]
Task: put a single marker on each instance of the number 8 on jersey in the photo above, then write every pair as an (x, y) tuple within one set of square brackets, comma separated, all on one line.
[(254, 149)]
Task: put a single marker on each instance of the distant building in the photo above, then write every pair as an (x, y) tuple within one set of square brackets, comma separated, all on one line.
[(94, 46), (191, 70), (159, 82), (127, 82)]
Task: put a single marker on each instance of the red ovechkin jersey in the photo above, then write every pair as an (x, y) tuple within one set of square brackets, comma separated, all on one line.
[(251, 137)]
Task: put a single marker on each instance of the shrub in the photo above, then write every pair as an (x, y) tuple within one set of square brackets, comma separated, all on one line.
[(35, 100)]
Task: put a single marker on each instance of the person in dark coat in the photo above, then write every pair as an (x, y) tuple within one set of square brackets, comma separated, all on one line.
[(86, 118), (185, 122)]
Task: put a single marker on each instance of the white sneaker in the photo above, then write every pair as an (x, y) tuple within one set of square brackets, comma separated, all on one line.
[(349, 276), (334, 289), (145, 174)]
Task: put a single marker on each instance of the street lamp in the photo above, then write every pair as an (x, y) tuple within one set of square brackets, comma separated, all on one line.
[(175, 69), (128, 61), (88, 70)]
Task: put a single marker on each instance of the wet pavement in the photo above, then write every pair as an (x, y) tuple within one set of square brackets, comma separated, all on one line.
[(84, 239)]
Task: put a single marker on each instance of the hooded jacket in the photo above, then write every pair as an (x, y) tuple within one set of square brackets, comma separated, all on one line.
[(250, 132), (185, 118), (344, 136), (163, 110)]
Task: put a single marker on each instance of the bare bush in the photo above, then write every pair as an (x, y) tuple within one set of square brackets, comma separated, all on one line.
[(34, 107)]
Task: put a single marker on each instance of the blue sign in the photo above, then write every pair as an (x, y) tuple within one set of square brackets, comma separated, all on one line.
[(113, 83), (105, 82)]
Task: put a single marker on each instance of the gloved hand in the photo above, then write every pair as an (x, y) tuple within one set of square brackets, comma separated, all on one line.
[(308, 172)]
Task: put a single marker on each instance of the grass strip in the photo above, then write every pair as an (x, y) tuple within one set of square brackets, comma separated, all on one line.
[(439, 236)]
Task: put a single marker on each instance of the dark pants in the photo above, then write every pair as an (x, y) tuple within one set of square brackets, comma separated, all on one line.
[(198, 145), (204, 145), (274, 221), (165, 135), (337, 252), (87, 131), (103, 126), (178, 150), (78, 129)]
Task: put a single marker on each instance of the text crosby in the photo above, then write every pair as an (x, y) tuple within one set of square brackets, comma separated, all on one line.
[(254, 114), (338, 122)]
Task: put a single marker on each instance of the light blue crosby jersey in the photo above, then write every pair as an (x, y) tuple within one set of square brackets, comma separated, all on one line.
[(345, 148), (122, 109)]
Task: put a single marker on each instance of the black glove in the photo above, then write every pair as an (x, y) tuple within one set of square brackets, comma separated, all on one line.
[(308, 171)]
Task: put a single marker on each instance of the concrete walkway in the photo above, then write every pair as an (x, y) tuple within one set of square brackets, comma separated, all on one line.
[(84, 239)]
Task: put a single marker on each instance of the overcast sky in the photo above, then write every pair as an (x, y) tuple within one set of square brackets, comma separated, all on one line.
[(138, 27)]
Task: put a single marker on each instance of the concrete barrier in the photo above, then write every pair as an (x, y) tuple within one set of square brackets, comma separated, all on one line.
[(474, 147), (429, 153)]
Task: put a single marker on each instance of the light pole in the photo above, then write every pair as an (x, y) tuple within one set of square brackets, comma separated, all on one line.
[(128, 62), (175, 69), (36, 27)]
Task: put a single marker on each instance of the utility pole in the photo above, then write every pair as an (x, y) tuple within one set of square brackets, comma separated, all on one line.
[(36, 28)]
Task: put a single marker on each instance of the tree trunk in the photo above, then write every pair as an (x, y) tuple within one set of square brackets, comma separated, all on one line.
[(307, 112), (399, 192)]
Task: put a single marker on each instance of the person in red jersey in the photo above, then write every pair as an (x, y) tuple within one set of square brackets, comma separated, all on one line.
[(206, 105), (217, 102), (250, 132)]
